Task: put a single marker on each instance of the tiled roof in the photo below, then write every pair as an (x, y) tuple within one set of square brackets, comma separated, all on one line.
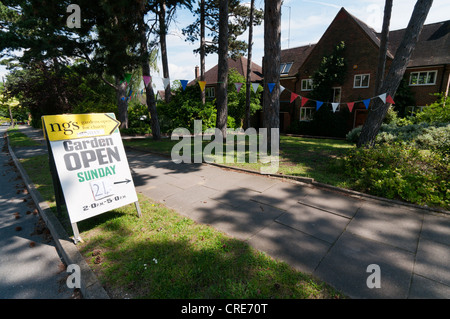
[(239, 65)]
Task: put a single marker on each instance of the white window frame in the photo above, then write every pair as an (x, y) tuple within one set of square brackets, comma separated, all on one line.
[(427, 73), (361, 77), (334, 97), (307, 113), (284, 66), (210, 92), (307, 85)]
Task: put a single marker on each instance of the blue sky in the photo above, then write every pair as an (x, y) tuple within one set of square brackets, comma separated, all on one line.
[(303, 22)]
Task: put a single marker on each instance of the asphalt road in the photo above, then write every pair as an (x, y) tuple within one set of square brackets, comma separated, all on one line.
[(30, 266)]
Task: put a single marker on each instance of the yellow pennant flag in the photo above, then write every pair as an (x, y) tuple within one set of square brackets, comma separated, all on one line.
[(202, 85)]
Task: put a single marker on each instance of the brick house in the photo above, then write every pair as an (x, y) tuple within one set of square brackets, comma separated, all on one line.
[(240, 65), (428, 71)]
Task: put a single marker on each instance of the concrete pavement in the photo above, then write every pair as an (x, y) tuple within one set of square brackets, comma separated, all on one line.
[(30, 266), (335, 236)]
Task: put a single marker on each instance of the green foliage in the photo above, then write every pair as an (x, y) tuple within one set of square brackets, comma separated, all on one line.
[(332, 71), (401, 171), (138, 119), (436, 112), (236, 101)]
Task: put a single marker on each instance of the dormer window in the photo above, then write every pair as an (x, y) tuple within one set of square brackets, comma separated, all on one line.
[(285, 67)]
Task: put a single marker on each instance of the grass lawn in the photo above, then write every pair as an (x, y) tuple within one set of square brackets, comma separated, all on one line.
[(319, 159), (18, 139), (165, 255)]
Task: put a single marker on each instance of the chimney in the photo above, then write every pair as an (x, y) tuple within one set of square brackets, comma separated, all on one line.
[(196, 71)]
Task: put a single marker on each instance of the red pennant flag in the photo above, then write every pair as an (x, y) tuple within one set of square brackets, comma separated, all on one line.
[(390, 100), (293, 96), (350, 105), (304, 100)]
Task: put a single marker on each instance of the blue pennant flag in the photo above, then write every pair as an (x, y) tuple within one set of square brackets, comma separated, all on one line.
[(271, 86), (184, 83), (366, 103), (318, 105)]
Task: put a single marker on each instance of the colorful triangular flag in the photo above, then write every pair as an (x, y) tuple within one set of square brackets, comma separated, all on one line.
[(366, 103), (127, 77), (383, 97), (390, 100), (202, 85), (238, 86), (271, 85), (304, 100), (282, 89), (318, 105), (293, 96), (184, 84), (166, 82), (334, 106), (255, 87), (147, 80), (350, 106)]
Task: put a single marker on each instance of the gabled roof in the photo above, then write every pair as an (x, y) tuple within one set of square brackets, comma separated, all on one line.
[(433, 47), (240, 65)]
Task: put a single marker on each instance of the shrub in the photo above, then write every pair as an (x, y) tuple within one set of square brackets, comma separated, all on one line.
[(400, 171)]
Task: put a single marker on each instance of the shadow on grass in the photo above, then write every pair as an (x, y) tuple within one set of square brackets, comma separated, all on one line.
[(162, 255)]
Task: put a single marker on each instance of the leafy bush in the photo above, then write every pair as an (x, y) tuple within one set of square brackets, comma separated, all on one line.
[(138, 119), (436, 112), (400, 171)]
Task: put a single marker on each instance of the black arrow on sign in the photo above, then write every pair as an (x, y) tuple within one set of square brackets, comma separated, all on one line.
[(126, 181)]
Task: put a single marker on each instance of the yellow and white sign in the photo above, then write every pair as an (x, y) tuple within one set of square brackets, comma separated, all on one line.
[(71, 126), (91, 163)]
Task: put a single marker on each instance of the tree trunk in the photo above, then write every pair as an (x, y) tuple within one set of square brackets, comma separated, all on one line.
[(222, 79), (202, 46), (122, 103), (271, 66), (150, 95), (390, 84), (383, 46), (249, 68), (162, 41)]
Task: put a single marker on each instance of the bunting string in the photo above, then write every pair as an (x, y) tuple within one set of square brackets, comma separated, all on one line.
[(386, 98)]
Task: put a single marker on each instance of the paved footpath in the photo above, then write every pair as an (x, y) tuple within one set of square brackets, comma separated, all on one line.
[(30, 266), (335, 236)]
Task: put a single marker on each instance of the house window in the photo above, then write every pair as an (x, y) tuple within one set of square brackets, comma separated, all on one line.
[(337, 96), (422, 78), (307, 84), (285, 67), (210, 93), (306, 113), (361, 81)]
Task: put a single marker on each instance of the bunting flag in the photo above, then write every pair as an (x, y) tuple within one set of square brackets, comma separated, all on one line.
[(390, 100), (238, 86), (304, 100), (202, 85), (318, 105), (293, 96), (334, 106), (382, 97), (184, 83), (147, 80), (166, 82), (127, 77), (366, 103), (350, 106), (271, 86), (255, 87), (282, 89)]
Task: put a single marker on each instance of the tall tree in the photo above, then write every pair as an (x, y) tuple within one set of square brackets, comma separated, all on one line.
[(390, 85), (271, 66), (249, 66), (222, 78), (383, 46)]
